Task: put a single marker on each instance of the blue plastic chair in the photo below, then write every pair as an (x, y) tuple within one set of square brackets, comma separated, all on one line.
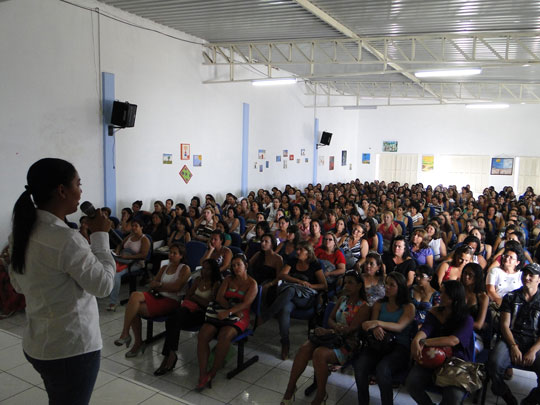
[(242, 338), (235, 249), (380, 243), (242, 221), (194, 252), (236, 239), (410, 226), (403, 227)]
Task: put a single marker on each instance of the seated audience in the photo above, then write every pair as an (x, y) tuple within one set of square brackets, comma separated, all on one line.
[(400, 260), (452, 270), (423, 295), (221, 254), (420, 250), (373, 276), (355, 247)]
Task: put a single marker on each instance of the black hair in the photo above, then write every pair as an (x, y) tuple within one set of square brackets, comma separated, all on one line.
[(407, 251), (43, 178), (425, 269), (181, 249), (196, 199), (402, 296), (242, 257), (474, 239), (372, 227), (358, 278), (479, 284), (515, 246), (378, 260), (456, 291), (219, 233), (225, 225), (294, 229), (215, 274)]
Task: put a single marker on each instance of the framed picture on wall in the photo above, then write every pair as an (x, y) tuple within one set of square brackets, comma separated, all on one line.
[(343, 158), (389, 146), (331, 163), (502, 166), (185, 151)]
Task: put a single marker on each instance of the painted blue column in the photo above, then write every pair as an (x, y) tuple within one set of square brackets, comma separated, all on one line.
[(245, 147), (109, 157), (315, 150)]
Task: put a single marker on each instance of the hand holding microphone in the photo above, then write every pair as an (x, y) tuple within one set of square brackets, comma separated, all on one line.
[(97, 220)]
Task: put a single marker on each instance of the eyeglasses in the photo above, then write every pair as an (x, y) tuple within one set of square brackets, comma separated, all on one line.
[(507, 256)]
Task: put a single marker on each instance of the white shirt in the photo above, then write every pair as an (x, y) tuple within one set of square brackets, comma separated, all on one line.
[(62, 276), (502, 281)]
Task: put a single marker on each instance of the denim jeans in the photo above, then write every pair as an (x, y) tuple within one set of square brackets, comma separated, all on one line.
[(114, 298), (385, 367), (421, 378), (499, 361), (283, 305), (69, 381)]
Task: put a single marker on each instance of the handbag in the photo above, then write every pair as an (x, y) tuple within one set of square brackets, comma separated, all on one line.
[(156, 294), (383, 346), (330, 340), (211, 315), (191, 305), (456, 372)]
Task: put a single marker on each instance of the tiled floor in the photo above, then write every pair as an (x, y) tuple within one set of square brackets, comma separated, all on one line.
[(130, 381)]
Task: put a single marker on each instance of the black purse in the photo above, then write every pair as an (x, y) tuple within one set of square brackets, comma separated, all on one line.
[(211, 315), (383, 346), (329, 340)]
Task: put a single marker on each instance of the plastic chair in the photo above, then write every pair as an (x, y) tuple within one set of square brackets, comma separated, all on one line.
[(195, 250), (242, 221), (242, 338), (409, 225), (236, 239), (235, 249), (380, 243), (403, 227)]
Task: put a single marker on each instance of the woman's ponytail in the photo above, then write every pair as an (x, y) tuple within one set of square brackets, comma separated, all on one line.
[(24, 218)]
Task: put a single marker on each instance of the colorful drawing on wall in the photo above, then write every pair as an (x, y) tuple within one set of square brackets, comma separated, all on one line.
[(343, 158), (267, 164), (321, 160), (302, 152), (167, 158), (502, 166), (366, 158), (260, 168), (186, 174), (197, 160), (306, 160), (185, 151), (331, 163), (389, 146), (285, 153), (428, 162), (284, 163), (291, 157), (278, 158), (261, 154)]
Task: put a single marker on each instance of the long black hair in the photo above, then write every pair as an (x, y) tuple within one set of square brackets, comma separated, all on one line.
[(456, 291), (42, 179), (403, 296)]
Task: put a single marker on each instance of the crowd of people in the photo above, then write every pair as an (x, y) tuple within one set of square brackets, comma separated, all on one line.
[(406, 267)]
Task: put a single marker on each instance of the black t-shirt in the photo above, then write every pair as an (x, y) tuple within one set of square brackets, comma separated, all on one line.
[(524, 316), (307, 275), (403, 268)]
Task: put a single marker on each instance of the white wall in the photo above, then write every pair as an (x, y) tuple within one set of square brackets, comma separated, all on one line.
[(452, 130), (50, 106)]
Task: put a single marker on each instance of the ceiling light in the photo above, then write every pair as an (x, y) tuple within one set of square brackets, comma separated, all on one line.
[(487, 106), (449, 73), (273, 82)]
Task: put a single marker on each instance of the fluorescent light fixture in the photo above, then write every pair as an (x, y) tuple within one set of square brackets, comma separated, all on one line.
[(360, 107), (273, 82), (449, 73), (487, 106)]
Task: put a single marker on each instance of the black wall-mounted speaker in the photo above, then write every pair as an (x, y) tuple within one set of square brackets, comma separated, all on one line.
[(123, 114), (326, 137)]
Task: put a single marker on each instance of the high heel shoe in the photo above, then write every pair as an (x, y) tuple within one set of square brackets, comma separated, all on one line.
[(123, 341), (135, 353), (206, 381), (163, 369), (290, 400)]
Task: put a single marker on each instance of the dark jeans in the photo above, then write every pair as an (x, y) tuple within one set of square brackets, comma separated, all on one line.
[(69, 381), (421, 378), (180, 318), (499, 361), (283, 305), (385, 366)]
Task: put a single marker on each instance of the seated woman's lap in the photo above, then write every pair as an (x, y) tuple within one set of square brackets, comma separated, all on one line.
[(159, 306)]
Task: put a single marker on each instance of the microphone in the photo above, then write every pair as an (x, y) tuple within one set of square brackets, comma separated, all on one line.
[(88, 209)]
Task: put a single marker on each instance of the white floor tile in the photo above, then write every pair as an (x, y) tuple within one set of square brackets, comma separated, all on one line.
[(34, 396), (139, 376), (224, 389), (11, 357), (8, 340), (277, 380), (104, 378), (257, 395), (170, 388), (159, 399), (27, 373), (113, 366), (11, 385), (252, 373), (196, 398), (120, 392)]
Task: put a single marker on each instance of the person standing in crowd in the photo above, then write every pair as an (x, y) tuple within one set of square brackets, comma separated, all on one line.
[(60, 274)]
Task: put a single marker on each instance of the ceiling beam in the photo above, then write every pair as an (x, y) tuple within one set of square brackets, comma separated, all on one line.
[(328, 19)]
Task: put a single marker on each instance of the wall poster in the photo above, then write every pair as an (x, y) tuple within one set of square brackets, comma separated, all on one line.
[(185, 151), (502, 166)]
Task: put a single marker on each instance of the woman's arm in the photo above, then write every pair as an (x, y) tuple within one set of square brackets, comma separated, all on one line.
[(442, 248), (429, 259), (227, 257), (492, 294), (321, 285), (220, 296), (364, 250), (179, 283), (367, 325), (170, 241), (404, 320), (157, 278), (483, 305), (441, 271), (375, 243), (121, 246), (249, 297), (145, 247), (207, 254), (187, 237)]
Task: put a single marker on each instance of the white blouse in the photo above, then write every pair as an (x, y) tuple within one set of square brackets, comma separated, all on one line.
[(63, 274)]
